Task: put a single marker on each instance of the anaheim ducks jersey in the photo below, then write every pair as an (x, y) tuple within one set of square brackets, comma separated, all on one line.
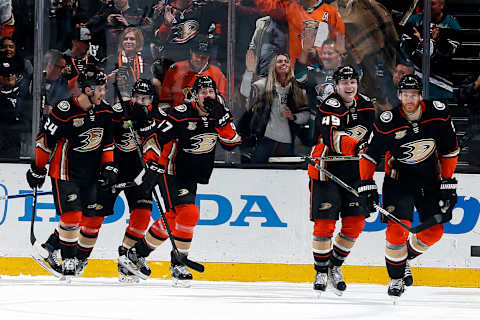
[(338, 129), (184, 142), (75, 142), (197, 17), (415, 151)]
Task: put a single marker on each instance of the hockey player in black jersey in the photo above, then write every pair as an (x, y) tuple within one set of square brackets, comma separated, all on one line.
[(184, 143), (420, 147), (77, 143), (139, 110), (343, 122)]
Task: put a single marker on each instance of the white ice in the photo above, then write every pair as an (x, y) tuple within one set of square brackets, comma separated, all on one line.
[(45, 298)]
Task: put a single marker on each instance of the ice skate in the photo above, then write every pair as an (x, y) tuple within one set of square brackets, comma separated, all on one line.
[(407, 276), (395, 289), (125, 276), (80, 268), (135, 264), (320, 282), (48, 258), (336, 278), (181, 276), (69, 268)]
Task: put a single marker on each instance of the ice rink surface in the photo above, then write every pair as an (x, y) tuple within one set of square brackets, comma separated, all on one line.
[(45, 298)]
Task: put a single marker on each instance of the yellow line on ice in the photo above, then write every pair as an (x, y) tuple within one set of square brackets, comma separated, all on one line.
[(251, 272)]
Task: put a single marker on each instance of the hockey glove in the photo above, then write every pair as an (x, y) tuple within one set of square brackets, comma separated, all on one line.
[(368, 195), (217, 111), (36, 176), (150, 177), (139, 114), (447, 197), (108, 175)]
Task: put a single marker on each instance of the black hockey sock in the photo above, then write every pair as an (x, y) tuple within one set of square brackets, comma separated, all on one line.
[(412, 253), (396, 269), (338, 256), (68, 249), (142, 248), (322, 261), (53, 241), (173, 258)]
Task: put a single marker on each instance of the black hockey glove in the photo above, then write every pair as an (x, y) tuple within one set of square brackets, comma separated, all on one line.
[(217, 111), (149, 178), (368, 195), (36, 176), (139, 114), (447, 197), (108, 175)]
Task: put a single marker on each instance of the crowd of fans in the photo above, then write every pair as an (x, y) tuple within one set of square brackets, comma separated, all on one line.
[(285, 56)]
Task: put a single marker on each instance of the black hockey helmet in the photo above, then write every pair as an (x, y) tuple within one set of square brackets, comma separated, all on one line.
[(345, 72), (410, 81), (143, 86), (91, 77), (203, 82)]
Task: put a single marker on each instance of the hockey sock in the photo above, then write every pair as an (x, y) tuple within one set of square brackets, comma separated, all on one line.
[(345, 239), (322, 251), (396, 259), (143, 249), (156, 235), (89, 229), (53, 241), (68, 233), (174, 259), (322, 243), (341, 249)]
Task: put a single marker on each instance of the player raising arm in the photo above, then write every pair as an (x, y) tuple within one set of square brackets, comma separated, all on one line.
[(184, 143)]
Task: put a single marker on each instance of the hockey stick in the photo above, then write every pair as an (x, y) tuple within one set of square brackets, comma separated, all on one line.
[(409, 12), (122, 185), (180, 257), (303, 159), (33, 239), (427, 224), (24, 195)]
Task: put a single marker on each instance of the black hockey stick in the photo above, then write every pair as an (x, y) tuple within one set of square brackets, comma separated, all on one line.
[(303, 158), (33, 239), (180, 257), (122, 185), (427, 224)]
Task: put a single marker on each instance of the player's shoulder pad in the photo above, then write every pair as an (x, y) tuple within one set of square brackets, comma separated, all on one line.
[(389, 120), (117, 108), (63, 106), (438, 108), (363, 97), (333, 104), (180, 112)]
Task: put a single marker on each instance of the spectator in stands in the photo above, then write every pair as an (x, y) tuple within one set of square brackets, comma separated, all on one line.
[(60, 14), (391, 98), (77, 58), (183, 20), (269, 39), (279, 106), (11, 120), (306, 13), (54, 84), (23, 67), (130, 63), (112, 19), (371, 42), (443, 47), (181, 75), (469, 92), (314, 72)]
